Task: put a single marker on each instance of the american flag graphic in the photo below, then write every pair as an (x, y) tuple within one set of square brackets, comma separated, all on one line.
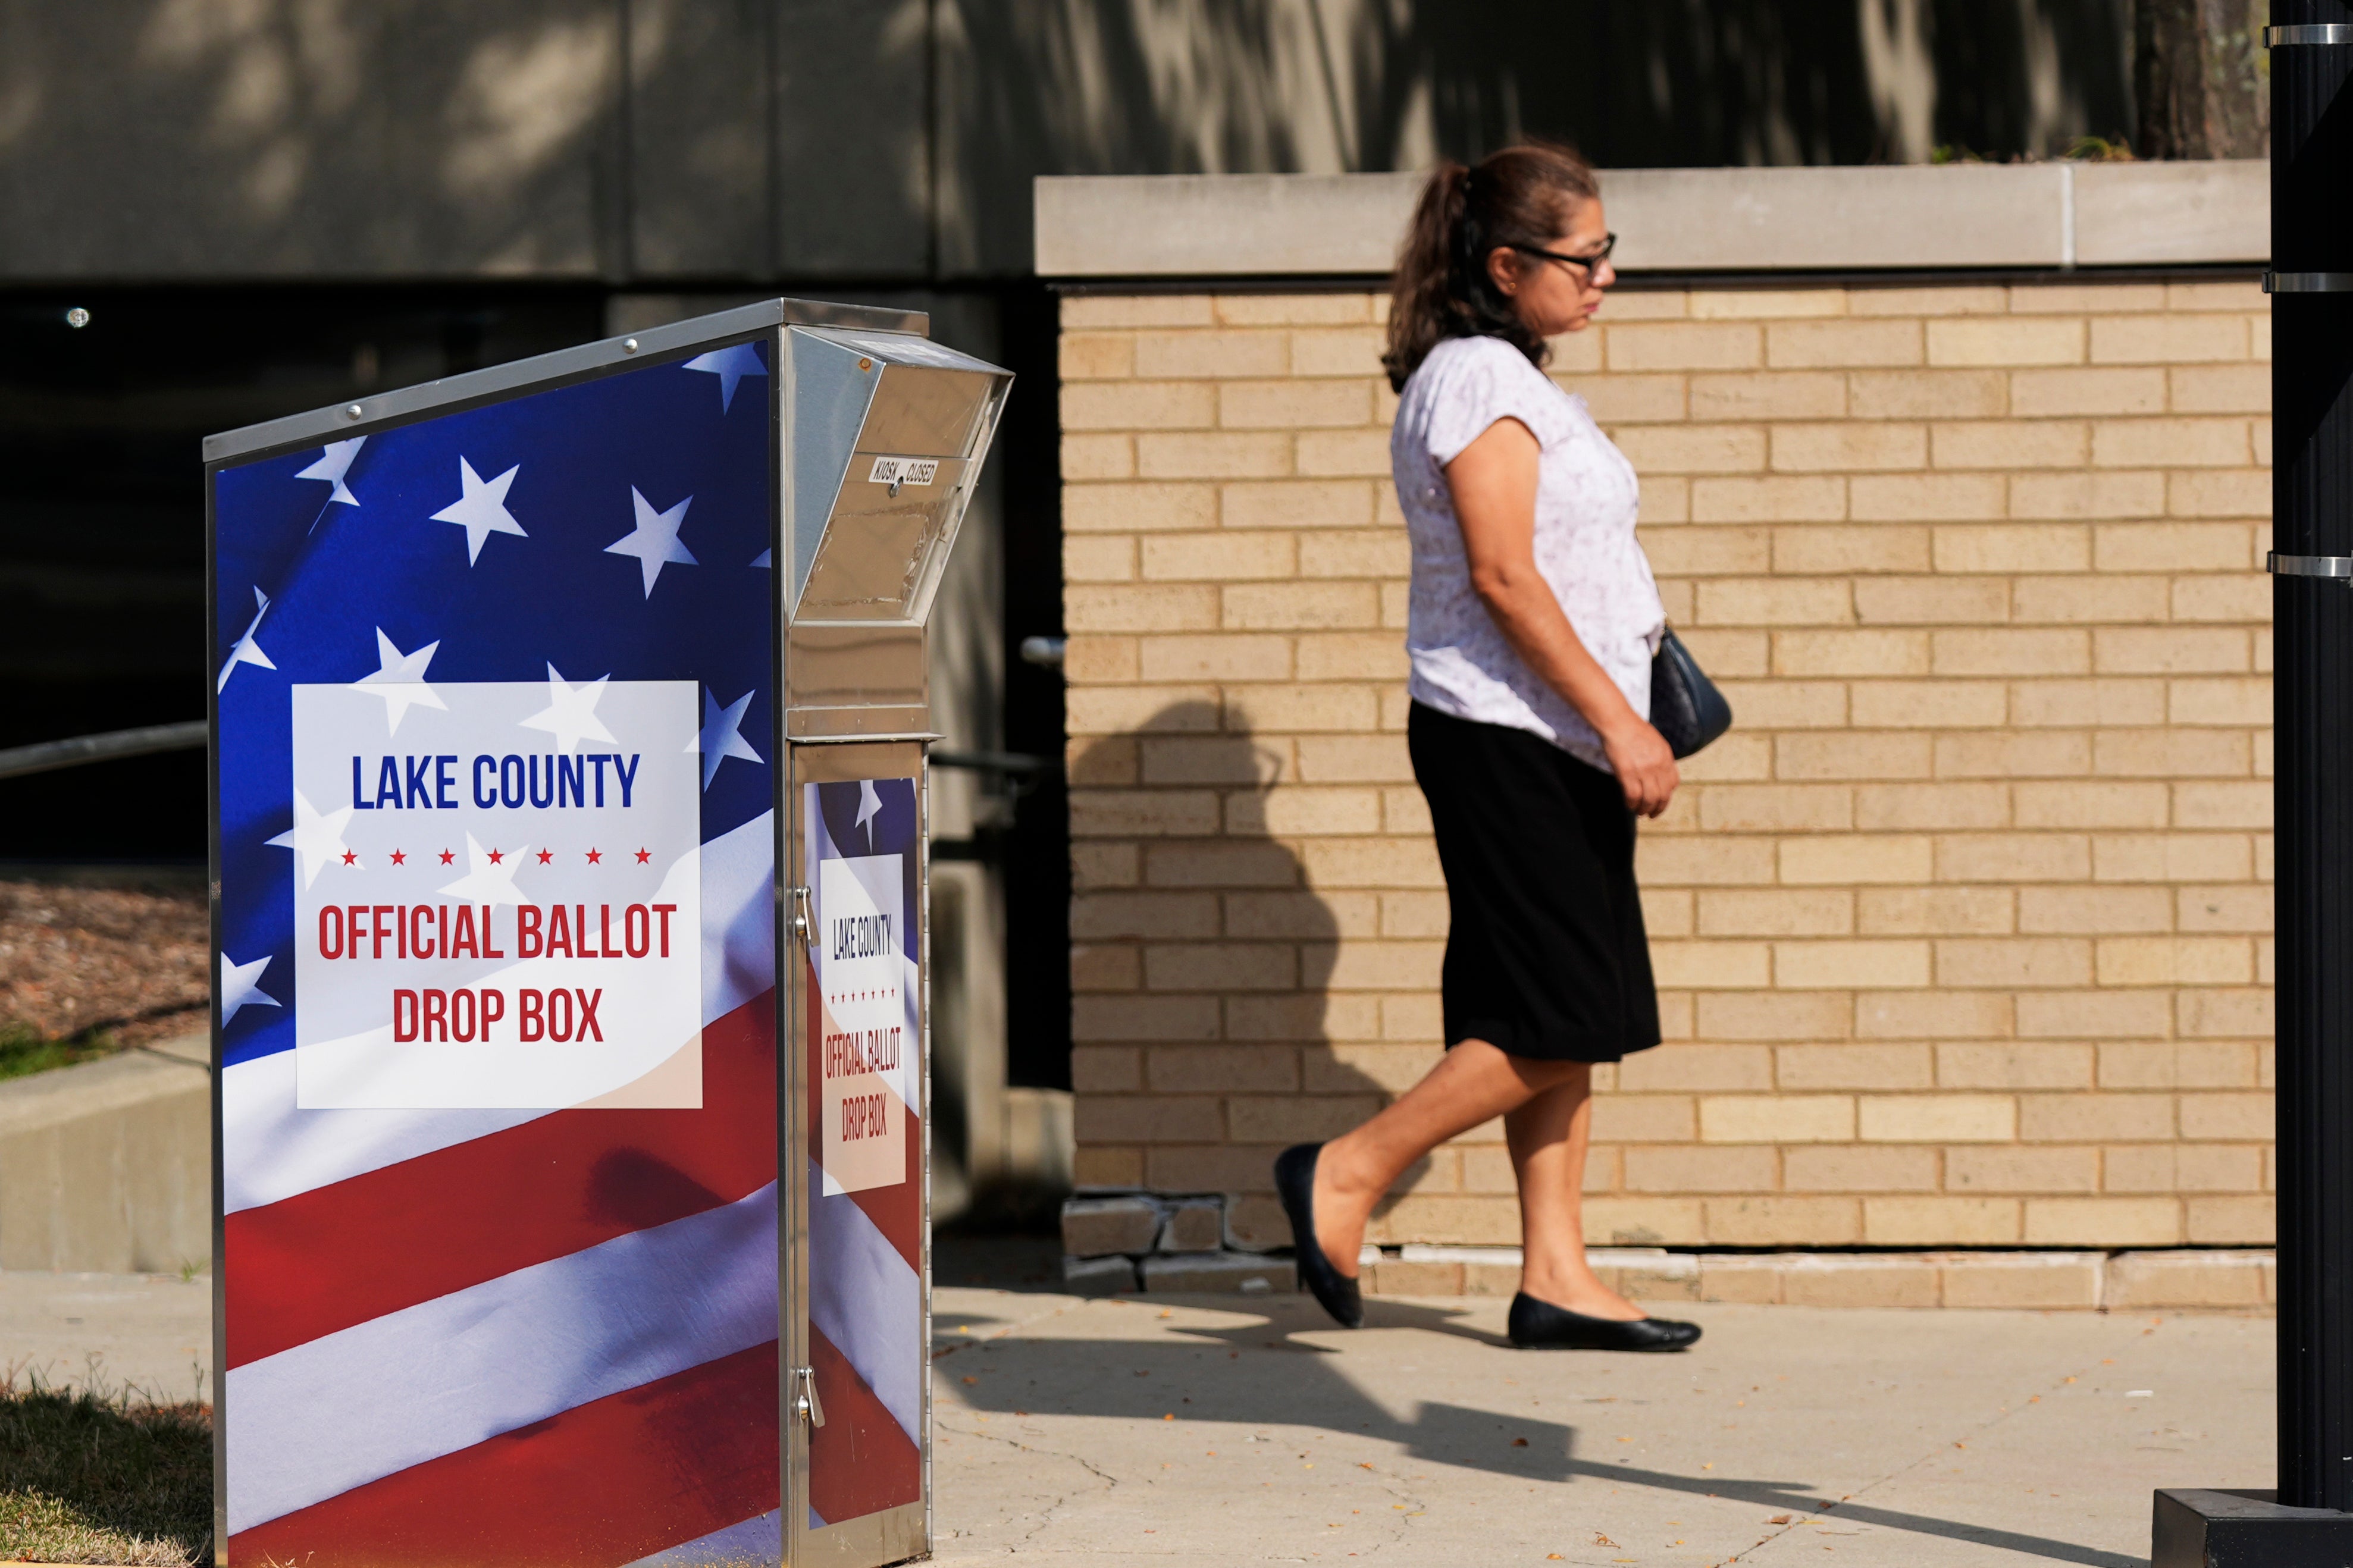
[(512, 1333)]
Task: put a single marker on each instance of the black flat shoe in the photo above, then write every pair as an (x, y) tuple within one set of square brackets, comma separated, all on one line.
[(1294, 1183), (1540, 1326)]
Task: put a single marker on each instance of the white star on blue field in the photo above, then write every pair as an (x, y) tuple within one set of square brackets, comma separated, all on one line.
[(570, 507)]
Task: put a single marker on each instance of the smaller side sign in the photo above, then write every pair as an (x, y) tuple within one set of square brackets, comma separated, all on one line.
[(863, 953)]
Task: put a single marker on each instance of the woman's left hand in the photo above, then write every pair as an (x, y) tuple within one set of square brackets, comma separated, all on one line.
[(1644, 763)]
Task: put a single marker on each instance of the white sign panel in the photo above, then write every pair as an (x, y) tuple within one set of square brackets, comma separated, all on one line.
[(498, 896), (865, 1074), (861, 978)]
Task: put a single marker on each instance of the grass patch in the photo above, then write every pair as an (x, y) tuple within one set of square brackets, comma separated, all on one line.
[(24, 1051), (102, 1475)]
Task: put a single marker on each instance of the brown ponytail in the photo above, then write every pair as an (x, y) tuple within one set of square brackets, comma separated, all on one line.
[(1520, 196)]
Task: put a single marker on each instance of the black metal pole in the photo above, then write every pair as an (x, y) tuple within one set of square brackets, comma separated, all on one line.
[(2311, 505)]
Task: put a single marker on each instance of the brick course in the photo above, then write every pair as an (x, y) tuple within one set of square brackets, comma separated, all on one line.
[(1962, 933)]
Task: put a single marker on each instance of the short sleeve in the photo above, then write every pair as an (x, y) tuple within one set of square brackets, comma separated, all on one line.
[(1484, 380)]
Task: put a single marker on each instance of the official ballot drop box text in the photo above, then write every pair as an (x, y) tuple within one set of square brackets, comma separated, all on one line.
[(569, 887)]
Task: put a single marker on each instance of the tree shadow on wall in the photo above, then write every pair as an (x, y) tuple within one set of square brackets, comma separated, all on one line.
[(1197, 939)]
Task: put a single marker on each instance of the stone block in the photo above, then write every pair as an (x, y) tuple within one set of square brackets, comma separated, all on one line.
[(1098, 1276), (1732, 1278), (1231, 1273), (1193, 1224), (2042, 1280), (1858, 1281), (1254, 1222), (1097, 1228), (2147, 1280), (1394, 1278)]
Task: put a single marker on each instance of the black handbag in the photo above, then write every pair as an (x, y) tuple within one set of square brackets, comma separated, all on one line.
[(1686, 706)]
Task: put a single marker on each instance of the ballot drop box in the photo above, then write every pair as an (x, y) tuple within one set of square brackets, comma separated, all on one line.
[(568, 803)]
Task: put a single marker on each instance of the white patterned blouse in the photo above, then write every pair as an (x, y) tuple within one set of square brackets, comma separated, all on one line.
[(1585, 547)]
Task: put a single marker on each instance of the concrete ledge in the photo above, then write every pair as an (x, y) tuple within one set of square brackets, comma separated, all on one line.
[(107, 1167), (2017, 216), (2049, 1281)]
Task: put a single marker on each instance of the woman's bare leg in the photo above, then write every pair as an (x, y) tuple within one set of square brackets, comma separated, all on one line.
[(1547, 1136), (1474, 1083)]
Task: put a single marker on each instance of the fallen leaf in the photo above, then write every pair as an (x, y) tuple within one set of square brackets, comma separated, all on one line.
[(1364, 1464), (1167, 1314), (1517, 1443), (1960, 1445), (1601, 1539), (1170, 1416), (972, 1380), (1778, 1519)]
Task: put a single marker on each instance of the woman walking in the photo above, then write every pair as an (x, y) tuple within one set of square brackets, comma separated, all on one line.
[(1533, 623)]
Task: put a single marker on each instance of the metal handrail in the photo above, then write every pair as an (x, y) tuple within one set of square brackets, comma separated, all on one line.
[(48, 755), (1015, 763), (73, 753)]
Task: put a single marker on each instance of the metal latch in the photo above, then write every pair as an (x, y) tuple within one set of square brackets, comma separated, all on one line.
[(797, 901), (806, 1404)]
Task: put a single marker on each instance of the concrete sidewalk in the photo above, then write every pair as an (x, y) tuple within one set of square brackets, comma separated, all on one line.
[(1208, 1430), (149, 1332), (1220, 1430)]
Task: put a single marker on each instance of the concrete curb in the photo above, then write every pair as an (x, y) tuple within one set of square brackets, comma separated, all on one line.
[(106, 1168)]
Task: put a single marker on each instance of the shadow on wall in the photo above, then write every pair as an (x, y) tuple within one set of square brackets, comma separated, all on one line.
[(628, 139), (1198, 945), (1340, 86)]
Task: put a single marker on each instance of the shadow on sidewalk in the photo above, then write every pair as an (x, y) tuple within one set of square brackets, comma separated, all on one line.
[(1255, 1374)]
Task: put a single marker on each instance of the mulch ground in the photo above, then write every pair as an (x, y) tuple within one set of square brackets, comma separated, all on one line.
[(123, 963)]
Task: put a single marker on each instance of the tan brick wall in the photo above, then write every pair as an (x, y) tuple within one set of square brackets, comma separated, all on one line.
[(1962, 935)]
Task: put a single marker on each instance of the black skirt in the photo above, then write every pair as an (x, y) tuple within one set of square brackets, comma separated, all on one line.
[(1546, 957)]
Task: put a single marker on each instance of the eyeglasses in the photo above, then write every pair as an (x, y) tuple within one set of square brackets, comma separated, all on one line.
[(1609, 244)]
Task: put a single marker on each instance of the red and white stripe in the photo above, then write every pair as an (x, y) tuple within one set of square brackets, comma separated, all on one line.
[(511, 1336)]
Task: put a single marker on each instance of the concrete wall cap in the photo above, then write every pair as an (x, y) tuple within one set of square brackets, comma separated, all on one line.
[(2032, 216)]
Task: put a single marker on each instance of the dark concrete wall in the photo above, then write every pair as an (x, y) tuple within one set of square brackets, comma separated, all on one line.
[(894, 140)]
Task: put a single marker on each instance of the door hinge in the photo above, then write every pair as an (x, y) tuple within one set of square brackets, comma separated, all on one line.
[(798, 903)]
